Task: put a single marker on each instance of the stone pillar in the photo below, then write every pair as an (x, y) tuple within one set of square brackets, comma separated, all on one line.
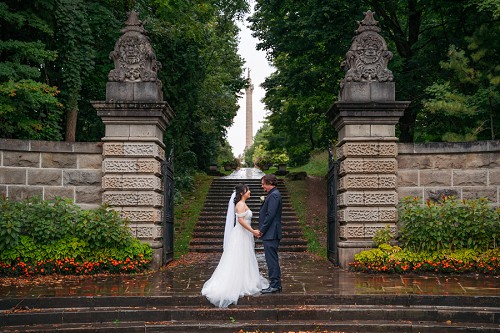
[(365, 117), (249, 112), (135, 117)]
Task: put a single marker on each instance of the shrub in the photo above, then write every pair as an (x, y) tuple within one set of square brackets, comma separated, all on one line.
[(393, 259), (10, 225), (47, 220), (102, 228), (383, 236), (448, 224), (56, 236)]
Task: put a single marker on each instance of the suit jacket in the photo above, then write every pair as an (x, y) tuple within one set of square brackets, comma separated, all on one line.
[(270, 216)]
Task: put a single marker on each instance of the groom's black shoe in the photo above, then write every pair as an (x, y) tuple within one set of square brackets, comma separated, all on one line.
[(271, 290)]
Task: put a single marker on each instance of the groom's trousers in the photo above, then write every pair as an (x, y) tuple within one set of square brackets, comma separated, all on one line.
[(272, 260)]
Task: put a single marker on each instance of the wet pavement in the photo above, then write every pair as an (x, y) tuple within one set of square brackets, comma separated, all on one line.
[(302, 274), (246, 173)]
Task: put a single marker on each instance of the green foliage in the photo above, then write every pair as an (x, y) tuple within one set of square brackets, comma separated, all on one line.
[(10, 225), (383, 236), (184, 183), (29, 110), (103, 228), (47, 221), (202, 72), (471, 96), (187, 212), (393, 259), (56, 236), (317, 165), (313, 231), (448, 224), (306, 41), (66, 44), (262, 158)]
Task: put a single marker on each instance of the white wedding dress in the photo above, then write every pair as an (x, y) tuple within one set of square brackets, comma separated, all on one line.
[(237, 273)]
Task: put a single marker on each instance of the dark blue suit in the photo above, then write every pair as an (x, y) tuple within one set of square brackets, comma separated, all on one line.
[(270, 227)]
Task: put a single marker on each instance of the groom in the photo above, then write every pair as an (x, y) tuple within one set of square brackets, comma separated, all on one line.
[(270, 231)]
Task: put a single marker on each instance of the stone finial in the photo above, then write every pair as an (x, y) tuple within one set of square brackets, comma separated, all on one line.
[(367, 59), (133, 56)]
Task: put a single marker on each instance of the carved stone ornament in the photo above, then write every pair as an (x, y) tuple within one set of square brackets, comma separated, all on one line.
[(368, 56), (133, 56)]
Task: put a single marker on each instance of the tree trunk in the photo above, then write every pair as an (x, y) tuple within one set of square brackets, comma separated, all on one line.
[(71, 118), (407, 125)]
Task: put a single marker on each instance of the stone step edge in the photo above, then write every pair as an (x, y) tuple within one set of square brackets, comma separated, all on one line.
[(274, 300), (244, 308), (202, 314), (231, 327)]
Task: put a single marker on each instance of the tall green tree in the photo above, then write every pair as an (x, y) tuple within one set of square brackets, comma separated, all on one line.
[(63, 47), (306, 41), (202, 72), (74, 43), (29, 106), (303, 40), (465, 102)]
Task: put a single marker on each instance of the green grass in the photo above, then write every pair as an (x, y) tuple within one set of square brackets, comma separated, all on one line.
[(298, 193), (317, 166), (187, 212)]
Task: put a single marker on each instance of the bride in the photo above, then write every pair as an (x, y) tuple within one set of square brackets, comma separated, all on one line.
[(237, 273)]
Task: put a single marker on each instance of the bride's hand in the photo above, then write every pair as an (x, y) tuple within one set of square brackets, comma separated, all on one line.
[(256, 233)]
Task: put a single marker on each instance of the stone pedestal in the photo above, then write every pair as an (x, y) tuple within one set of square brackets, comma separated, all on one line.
[(365, 117), (132, 153), (367, 151), (135, 117)]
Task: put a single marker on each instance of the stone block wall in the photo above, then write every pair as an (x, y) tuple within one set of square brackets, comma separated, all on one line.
[(50, 168), (467, 170)]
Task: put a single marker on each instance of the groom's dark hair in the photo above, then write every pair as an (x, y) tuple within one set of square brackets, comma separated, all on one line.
[(270, 179)]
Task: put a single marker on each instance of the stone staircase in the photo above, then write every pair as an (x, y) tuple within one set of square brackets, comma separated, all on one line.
[(208, 234), (270, 313)]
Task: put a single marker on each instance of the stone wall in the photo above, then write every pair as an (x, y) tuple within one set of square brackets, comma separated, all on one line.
[(49, 169), (467, 170)]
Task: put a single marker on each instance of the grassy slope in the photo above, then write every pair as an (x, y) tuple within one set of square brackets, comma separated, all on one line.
[(313, 226), (187, 212)]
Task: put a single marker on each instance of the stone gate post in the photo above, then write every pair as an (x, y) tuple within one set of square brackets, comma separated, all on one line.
[(365, 117), (135, 118)]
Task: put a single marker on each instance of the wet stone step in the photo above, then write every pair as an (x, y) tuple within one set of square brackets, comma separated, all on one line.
[(453, 315), (257, 326), (277, 300)]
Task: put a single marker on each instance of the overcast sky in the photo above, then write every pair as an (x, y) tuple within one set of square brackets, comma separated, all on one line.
[(259, 70)]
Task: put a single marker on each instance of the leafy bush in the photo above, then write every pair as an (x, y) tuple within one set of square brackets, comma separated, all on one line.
[(56, 236), (393, 259), (383, 236), (448, 224), (10, 225), (47, 221), (102, 228)]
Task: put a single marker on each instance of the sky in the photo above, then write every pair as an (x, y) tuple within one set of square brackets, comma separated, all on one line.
[(259, 70)]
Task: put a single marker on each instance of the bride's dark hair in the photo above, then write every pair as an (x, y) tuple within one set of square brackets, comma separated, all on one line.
[(240, 190)]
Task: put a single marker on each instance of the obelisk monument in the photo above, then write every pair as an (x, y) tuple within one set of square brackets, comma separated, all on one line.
[(249, 127)]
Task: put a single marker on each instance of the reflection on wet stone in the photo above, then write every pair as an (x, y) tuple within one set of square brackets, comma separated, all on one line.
[(302, 274)]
